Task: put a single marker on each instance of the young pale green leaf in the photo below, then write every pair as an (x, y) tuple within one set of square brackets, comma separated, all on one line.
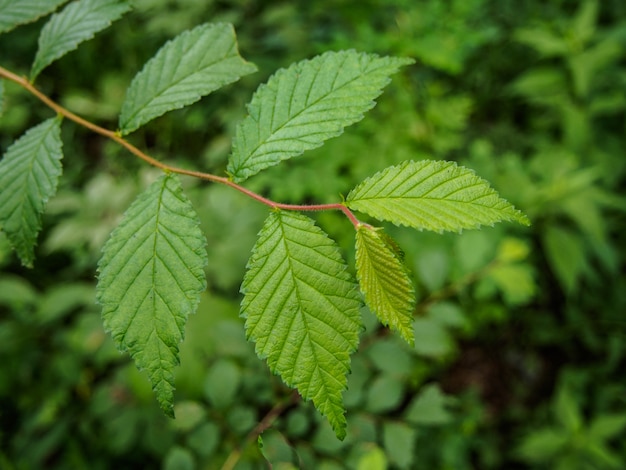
[(151, 276), (76, 23), (16, 12), (432, 195), (384, 281), (302, 106), (185, 69), (29, 173), (302, 310)]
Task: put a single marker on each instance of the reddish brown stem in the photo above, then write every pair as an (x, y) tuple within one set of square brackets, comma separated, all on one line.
[(117, 137)]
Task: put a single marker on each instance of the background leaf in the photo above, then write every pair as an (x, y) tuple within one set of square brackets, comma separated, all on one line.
[(302, 106), (384, 281), (29, 173), (190, 66), (432, 195), (16, 12), (78, 22), (302, 310), (151, 277)]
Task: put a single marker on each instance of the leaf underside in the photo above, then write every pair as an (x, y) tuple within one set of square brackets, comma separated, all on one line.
[(302, 310), (185, 69), (432, 195), (76, 23), (150, 279), (16, 12), (302, 106), (384, 281), (29, 173)]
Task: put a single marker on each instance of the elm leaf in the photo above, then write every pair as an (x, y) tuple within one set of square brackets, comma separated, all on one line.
[(16, 12), (432, 195), (192, 65), (302, 106), (151, 276), (302, 310), (384, 281), (29, 173), (77, 22)]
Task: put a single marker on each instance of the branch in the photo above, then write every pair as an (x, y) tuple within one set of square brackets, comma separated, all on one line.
[(115, 136)]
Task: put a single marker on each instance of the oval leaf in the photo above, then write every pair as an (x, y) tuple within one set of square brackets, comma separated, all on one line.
[(150, 278), (29, 173), (16, 12), (302, 310), (384, 281), (432, 195), (302, 106), (78, 22), (185, 69)]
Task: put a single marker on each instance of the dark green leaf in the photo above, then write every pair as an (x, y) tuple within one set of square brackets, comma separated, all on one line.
[(185, 69), (151, 277), (29, 174), (16, 12), (302, 106), (78, 22)]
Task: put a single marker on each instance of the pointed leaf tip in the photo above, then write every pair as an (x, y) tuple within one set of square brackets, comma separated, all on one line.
[(29, 174), (151, 276), (190, 66), (432, 195), (385, 281), (302, 106), (302, 310)]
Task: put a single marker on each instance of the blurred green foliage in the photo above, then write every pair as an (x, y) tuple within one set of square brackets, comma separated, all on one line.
[(520, 333)]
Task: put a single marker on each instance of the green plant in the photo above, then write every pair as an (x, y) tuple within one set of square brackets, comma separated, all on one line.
[(571, 442), (300, 302)]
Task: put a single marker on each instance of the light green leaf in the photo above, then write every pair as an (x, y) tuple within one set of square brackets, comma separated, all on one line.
[(16, 12), (432, 195), (384, 281), (29, 173), (302, 106), (185, 69), (76, 23), (302, 310), (151, 276)]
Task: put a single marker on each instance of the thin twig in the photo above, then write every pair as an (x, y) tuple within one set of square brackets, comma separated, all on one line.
[(264, 424), (117, 137)]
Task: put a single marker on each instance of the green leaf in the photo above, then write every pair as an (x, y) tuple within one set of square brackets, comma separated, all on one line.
[(150, 279), (399, 440), (16, 12), (430, 407), (78, 22), (302, 106), (185, 69), (1, 96), (432, 195), (384, 281), (29, 173), (302, 310)]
